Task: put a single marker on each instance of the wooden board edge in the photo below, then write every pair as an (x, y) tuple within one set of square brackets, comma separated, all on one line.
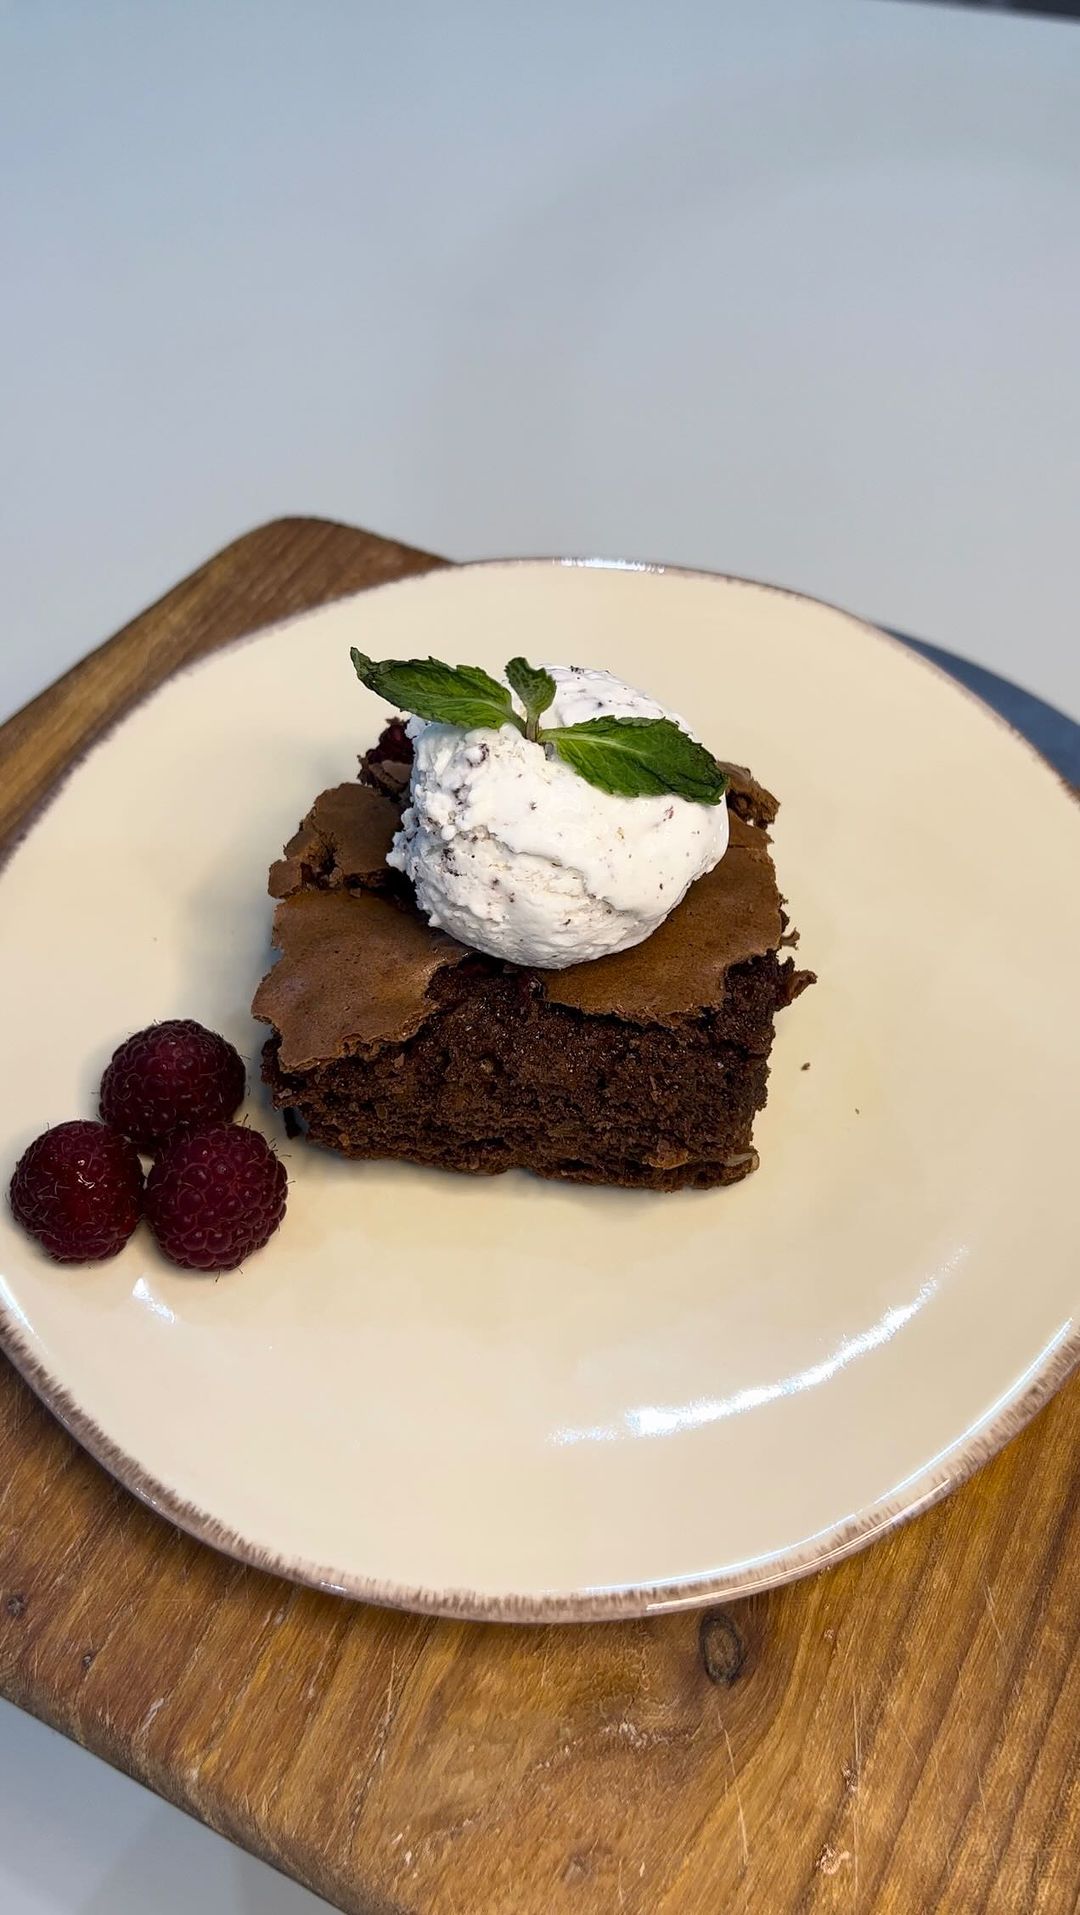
[(306, 562)]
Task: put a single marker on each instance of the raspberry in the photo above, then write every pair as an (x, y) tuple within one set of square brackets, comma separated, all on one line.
[(394, 742), (168, 1078), (386, 765), (214, 1196), (78, 1190)]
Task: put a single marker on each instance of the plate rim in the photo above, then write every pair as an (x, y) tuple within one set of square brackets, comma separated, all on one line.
[(615, 1604), (1047, 1374)]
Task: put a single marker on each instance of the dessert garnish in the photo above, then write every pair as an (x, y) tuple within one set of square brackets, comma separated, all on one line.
[(78, 1189), (168, 1078), (555, 834), (215, 1196), (632, 754), (217, 1190)]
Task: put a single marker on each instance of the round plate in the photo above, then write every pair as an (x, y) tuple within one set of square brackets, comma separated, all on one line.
[(517, 1399)]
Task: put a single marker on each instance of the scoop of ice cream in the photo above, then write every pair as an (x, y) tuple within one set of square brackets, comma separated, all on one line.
[(515, 854)]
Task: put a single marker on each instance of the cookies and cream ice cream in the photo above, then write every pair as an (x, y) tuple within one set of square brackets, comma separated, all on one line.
[(513, 853)]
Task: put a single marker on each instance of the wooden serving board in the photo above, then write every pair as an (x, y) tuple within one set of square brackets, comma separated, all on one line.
[(896, 1736)]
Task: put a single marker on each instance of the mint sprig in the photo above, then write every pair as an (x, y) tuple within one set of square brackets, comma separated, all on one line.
[(536, 689), (627, 757)]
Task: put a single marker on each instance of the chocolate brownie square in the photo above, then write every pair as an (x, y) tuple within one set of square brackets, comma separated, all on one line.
[(645, 1068)]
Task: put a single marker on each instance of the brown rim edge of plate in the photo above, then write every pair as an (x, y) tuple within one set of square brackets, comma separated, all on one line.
[(1044, 1377)]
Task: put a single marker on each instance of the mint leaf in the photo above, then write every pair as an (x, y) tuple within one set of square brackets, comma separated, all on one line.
[(639, 757), (535, 687), (463, 695), (629, 757)]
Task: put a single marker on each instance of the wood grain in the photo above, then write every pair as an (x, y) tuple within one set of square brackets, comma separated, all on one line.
[(897, 1736)]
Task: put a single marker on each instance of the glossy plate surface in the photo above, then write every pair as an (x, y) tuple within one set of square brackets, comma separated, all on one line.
[(511, 1398)]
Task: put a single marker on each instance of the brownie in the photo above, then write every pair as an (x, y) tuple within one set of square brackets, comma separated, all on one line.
[(645, 1068)]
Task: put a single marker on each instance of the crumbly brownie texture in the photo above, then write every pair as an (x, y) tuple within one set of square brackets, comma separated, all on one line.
[(644, 1069)]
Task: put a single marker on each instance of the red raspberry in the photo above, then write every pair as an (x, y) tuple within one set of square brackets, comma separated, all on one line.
[(214, 1196), (385, 765), (168, 1078), (78, 1190), (393, 742)]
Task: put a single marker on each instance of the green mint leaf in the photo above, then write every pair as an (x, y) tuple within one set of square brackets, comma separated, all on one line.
[(639, 757), (535, 687), (463, 695)]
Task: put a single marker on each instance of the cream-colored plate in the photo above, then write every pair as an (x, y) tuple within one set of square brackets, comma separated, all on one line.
[(511, 1398)]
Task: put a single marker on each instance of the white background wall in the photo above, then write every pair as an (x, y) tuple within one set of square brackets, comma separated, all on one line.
[(789, 289)]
